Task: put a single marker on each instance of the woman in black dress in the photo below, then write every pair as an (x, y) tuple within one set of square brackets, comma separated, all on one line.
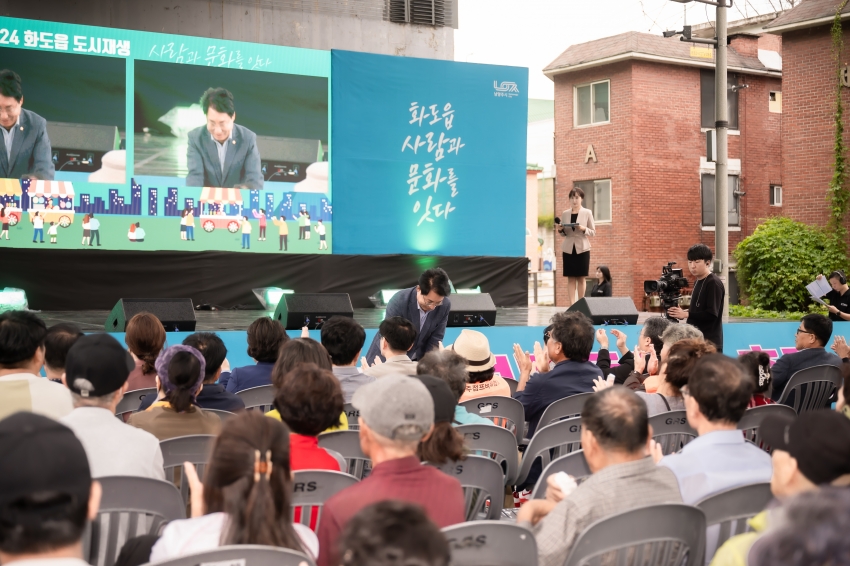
[(602, 287), (576, 226)]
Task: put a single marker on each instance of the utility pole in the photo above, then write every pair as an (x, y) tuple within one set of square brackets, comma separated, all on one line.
[(721, 173)]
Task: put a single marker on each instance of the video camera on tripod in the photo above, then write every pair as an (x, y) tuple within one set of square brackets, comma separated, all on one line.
[(669, 286)]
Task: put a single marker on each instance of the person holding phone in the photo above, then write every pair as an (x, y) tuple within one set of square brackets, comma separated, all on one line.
[(575, 247)]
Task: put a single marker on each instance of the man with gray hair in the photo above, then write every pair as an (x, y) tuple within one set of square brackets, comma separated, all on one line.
[(96, 372), (672, 333), (396, 413), (615, 438)]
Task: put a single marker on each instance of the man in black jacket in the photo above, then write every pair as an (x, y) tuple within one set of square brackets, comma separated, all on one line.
[(812, 337), (706, 310)]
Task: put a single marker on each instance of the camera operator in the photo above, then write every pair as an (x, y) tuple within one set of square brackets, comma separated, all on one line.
[(706, 310)]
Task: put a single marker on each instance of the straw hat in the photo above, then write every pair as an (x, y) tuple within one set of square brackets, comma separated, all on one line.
[(475, 347)]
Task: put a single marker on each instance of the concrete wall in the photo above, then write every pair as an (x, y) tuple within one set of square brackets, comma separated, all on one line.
[(354, 25)]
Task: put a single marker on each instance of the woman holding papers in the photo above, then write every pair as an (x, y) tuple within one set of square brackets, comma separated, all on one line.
[(839, 296)]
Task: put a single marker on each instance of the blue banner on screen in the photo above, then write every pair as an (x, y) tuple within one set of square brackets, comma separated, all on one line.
[(428, 156)]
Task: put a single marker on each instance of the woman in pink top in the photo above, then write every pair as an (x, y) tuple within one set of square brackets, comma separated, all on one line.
[(483, 382), (262, 218)]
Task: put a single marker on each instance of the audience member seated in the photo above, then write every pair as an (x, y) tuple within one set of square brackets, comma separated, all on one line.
[(295, 353), (47, 495), (451, 368), (569, 345), (815, 532), (757, 367), (180, 377), (809, 451), (811, 339), (603, 357), (480, 366), (213, 395), (716, 396), (309, 401), (393, 533), (145, 337), (396, 413), (265, 338), (649, 341), (245, 495), (59, 339), (672, 334), (343, 338), (398, 335), (844, 392), (96, 372), (615, 439), (21, 357), (444, 444)]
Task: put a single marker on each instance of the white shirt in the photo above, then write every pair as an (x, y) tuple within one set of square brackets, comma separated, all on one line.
[(53, 230), (9, 137), (113, 447), (222, 149), (37, 221), (422, 315), (28, 392), (320, 229), (50, 561), (190, 536)]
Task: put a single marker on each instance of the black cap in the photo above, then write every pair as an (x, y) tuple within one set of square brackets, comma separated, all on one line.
[(444, 400), (818, 440), (40, 455), (97, 365)]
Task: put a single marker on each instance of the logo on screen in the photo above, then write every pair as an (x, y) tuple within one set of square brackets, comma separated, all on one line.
[(506, 89)]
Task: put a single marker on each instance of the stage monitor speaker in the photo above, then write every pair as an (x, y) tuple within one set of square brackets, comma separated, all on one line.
[(474, 309), (287, 159), (81, 147), (607, 310), (176, 315), (296, 310)]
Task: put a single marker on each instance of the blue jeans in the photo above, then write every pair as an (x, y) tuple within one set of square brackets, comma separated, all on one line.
[(246, 241), (38, 234), (190, 232)]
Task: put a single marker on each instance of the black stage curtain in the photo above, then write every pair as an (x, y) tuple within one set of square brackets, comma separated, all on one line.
[(96, 279)]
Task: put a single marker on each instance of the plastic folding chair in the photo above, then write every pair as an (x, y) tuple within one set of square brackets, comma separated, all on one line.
[(503, 411), (550, 442), (496, 443), (483, 486), (347, 443), (813, 388), (727, 512), (491, 543), (129, 507), (671, 430), (243, 555), (751, 422), (195, 449), (565, 408), (572, 464), (661, 535), (352, 415), (131, 401), (261, 398), (223, 415), (311, 489), (512, 384)]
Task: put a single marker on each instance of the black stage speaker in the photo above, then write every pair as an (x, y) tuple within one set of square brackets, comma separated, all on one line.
[(176, 315), (286, 159), (81, 147), (607, 310), (311, 309), (474, 309)]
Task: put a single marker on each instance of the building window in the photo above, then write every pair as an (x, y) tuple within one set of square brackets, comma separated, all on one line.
[(708, 215), (597, 197), (707, 100), (593, 103), (775, 102), (775, 195), (421, 12)]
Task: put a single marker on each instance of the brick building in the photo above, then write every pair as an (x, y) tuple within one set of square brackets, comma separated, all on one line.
[(809, 82), (631, 112)]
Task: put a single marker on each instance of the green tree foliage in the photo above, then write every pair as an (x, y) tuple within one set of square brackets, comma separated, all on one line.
[(781, 257)]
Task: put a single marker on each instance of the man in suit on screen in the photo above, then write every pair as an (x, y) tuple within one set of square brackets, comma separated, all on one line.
[(427, 306), (223, 153), (26, 151)]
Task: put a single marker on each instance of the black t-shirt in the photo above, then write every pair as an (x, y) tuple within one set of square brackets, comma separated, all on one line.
[(706, 310), (841, 302), (603, 290)]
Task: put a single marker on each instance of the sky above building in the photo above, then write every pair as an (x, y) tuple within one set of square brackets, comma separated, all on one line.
[(532, 33)]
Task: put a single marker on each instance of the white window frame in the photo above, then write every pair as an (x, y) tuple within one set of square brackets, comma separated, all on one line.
[(575, 104), (773, 192), (596, 219)]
